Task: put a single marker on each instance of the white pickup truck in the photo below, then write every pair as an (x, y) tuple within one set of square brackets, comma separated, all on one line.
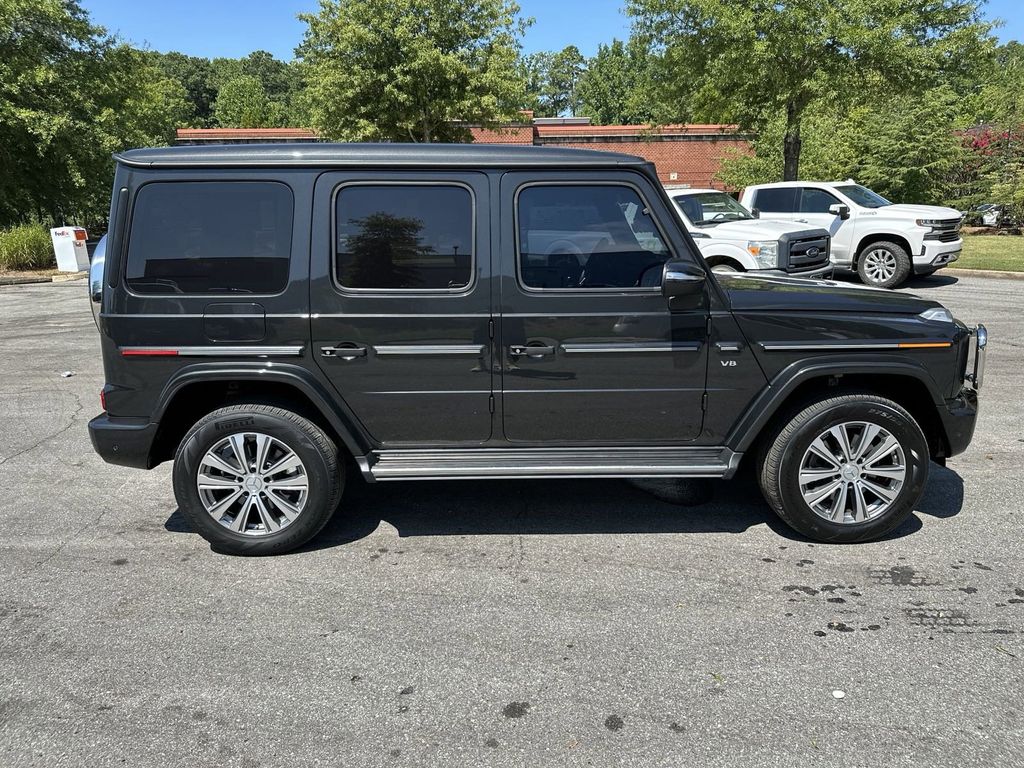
[(732, 239), (884, 243)]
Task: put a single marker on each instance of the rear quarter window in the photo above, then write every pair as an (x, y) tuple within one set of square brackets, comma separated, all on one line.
[(778, 200), (210, 237)]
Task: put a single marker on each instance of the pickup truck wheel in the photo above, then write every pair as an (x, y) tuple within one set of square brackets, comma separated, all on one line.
[(883, 265), (846, 469), (256, 479)]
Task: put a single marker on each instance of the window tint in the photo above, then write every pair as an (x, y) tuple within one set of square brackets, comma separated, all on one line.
[(579, 236), (814, 200), (776, 200), (404, 237), (210, 237)]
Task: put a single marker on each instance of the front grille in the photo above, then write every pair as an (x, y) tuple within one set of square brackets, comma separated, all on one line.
[(806, 254), (946, 231)]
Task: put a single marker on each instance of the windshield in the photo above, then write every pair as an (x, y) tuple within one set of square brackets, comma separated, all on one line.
[(706, 209), (863, 196)]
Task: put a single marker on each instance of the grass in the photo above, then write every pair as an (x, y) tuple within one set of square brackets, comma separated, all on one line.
[(1002, 252), (26, 246)]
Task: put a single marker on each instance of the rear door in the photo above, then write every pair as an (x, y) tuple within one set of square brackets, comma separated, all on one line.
[(400, 302), (590, 351)]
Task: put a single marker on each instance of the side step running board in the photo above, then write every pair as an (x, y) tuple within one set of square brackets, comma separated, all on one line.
[(490, 463)]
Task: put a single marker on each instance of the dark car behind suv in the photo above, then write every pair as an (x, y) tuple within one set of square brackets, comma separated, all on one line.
[(271, 313)]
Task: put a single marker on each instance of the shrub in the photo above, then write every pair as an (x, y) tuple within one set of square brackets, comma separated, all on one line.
[(26, 246)]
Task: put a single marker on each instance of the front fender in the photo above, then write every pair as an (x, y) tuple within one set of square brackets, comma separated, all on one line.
[(767, 404)]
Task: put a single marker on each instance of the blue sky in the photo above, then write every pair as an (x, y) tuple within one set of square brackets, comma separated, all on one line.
[(236, 27)]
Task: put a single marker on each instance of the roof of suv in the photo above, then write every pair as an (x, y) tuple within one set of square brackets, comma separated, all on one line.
[(801, 183), (396, 155)]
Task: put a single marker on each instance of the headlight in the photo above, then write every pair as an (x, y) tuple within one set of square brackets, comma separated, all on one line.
[(929, 222), (765, 252), (937, 315)]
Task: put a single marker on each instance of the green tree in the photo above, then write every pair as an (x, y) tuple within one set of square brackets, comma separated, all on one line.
[(195, 74), (733, 60), (242, 102), (615, 89), (70, 95), (411, 70), (552, 81)]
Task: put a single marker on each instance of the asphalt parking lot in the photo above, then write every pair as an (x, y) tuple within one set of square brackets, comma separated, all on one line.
[(449, 624)]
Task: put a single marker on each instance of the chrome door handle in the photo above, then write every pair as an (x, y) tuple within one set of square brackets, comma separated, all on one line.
[(530, 350), (343, 351)]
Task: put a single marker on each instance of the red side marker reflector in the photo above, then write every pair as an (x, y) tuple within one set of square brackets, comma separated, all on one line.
[(149, 353)]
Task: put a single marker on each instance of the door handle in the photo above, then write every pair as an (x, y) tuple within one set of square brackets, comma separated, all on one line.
[(530, 350), (344, 351), (802, 221)]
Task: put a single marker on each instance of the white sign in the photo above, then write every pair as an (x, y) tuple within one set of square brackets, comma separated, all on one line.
[(69, 248)]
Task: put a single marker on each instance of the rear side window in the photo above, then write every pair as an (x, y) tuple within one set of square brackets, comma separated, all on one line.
[(587, 236), (814, 200), (210, 237), (404, 237), (776, 200)]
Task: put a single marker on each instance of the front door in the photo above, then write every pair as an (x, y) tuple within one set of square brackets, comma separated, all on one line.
[(590, 351), (400, 302), (814, 204)]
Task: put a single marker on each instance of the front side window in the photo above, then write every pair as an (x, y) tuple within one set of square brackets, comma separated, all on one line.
[(813, 200), (210, 237), (587, 236), (863, 196), (776, 200), (404, 237), (706, 209)]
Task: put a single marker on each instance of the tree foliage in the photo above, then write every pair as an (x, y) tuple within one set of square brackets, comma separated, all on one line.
[(754, 62), (410, 70), (615, 88), (70, 95)]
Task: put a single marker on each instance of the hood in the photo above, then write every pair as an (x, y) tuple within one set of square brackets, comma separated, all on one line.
[(755, 229), (918, 211), (757, 293)]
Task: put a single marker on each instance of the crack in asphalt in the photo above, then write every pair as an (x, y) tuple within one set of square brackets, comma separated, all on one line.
[(74, 416)]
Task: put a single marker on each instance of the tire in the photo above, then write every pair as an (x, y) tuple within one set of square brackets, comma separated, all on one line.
[(726, 267), (295, 502), (883, 265), (786, 453)]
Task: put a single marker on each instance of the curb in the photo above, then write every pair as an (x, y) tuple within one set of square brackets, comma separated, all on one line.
[(982, 273), (31, 280)]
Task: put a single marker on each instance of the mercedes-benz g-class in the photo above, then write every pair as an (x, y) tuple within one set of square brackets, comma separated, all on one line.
[(269, 314)]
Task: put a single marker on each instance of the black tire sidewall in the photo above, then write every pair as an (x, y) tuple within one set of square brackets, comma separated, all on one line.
[(915, 448), (904, 266), (321, 497)]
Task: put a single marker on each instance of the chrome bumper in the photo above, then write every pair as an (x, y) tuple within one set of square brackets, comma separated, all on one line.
[(977, 375)]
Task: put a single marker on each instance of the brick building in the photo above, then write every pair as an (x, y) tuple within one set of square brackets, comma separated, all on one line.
[(683, 154)]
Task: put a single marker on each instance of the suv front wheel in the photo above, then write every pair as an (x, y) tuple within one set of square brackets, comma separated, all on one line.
[(846, 469), (257, 479)]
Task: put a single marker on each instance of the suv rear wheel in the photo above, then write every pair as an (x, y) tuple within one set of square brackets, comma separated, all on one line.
[(883, 265), (846, 469), (256, 479)]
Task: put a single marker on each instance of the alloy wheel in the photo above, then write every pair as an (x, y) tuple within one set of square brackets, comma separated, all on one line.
[(852, 472), (880, 265), (252, 483)]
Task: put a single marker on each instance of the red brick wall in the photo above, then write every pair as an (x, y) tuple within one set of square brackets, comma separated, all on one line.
[(694, 162)]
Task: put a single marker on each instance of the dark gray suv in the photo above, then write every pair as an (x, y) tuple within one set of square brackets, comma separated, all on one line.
[(269, 314)]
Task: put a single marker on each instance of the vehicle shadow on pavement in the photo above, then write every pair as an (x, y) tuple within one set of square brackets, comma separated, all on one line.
[(914, 282), (559, 507)]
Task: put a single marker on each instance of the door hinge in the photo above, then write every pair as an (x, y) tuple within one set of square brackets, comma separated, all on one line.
[(704, 401), (490, 329), (490, 403)]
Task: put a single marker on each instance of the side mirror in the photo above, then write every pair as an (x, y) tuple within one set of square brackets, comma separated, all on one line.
[(755, 212), (840, 210), (681, 278)]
